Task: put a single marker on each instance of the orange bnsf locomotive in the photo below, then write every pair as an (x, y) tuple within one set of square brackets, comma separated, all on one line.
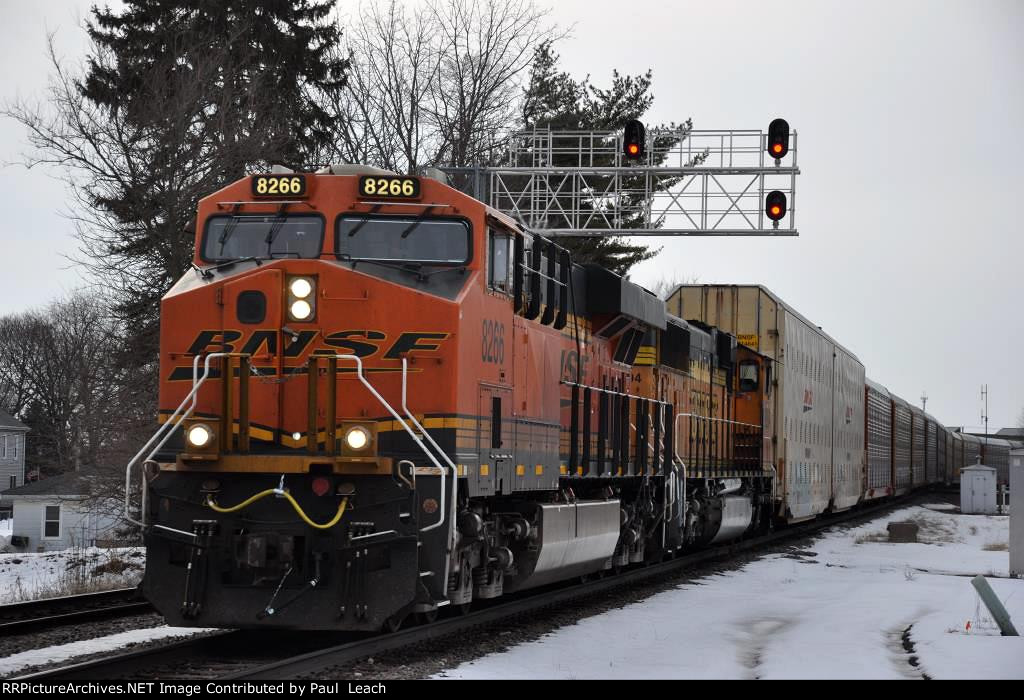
[(381, 397)]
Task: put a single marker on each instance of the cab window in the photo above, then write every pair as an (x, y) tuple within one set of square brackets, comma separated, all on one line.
[(403, 239), (499, 271), (748, 376), (262, 236)]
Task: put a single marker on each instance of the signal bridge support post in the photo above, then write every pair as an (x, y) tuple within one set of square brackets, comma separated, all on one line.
[(1017, 520)]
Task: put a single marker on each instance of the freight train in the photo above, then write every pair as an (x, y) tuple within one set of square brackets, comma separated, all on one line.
[(380, 397)]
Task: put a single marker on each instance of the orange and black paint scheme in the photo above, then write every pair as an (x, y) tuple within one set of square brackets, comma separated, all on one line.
[(578, 426)]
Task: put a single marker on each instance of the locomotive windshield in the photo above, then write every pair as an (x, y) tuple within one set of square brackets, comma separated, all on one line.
[(262, 236), (433, 241)]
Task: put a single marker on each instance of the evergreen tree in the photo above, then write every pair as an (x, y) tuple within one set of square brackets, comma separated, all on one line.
[(179, 98), (555, 100)]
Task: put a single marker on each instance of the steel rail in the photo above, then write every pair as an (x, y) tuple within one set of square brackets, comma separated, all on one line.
[(34, 615), (126, 664), (317, 661), (313, 662)]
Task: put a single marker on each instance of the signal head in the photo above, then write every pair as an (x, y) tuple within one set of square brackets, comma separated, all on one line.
[(778, 138), (775, 205), (634, 140)]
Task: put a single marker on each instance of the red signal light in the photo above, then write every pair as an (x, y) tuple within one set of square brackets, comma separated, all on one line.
[(775, 205), (778, 138), (633, 139), (321, 485)]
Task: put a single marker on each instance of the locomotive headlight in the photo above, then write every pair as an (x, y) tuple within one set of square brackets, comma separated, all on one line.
[(199, 435), (357, 438), (301, 288), (301, 298), (300, 310)]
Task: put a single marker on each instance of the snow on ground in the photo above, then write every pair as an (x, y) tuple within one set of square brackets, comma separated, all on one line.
[(839, 611), (28, 576), (37, 657)]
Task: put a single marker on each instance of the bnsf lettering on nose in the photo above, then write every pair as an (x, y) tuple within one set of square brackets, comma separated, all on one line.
[(361, 343)]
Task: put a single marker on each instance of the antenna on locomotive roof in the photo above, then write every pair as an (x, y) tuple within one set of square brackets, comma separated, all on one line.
[(924, 400)]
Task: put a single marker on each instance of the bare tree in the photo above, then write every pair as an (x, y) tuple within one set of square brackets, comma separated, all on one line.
[(80, 405), (394, 63), (667, 284), (436, 85), (486, 47)]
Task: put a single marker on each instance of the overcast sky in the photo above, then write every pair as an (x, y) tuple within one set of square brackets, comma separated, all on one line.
[(910, 120)]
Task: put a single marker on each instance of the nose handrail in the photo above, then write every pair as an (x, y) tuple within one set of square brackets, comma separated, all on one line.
[(163, 434), (405, 372), (405, 426), (188, 406)]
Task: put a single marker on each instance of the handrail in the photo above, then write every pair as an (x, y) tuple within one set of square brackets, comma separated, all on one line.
[(394, 414), (717, 420), (181, 413), (675, 427), (165, 431), (405, 372)]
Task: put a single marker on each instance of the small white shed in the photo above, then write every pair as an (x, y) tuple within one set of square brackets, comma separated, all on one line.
[(59, 513), (978, 490)]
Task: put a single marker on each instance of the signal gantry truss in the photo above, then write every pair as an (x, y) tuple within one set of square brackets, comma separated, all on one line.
[(686, 183)]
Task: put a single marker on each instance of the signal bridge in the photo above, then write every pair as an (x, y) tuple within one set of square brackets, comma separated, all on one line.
[(638, 183)]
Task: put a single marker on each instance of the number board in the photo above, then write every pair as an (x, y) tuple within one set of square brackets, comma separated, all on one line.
[(389, 187), (285, 185)]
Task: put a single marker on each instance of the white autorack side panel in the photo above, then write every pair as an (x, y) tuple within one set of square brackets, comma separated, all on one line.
[(847, 430), (807, 418), (878, 450), (917, 444)]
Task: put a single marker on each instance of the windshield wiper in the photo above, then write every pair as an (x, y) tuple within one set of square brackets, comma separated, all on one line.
[(410, 267), (229, 263), (419, 220), (229, 228), (366, 218), (275, 227)]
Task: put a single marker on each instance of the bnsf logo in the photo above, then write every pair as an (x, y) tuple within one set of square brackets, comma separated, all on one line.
[(361, 343)]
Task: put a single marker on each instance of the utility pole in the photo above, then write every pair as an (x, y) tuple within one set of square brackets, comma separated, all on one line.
[(984, 415)]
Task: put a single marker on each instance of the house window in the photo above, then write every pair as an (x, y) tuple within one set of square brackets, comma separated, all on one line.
[(3, 447), (51, 522), (14, 481)]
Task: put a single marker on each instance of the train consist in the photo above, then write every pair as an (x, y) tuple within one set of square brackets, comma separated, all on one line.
[(380, 397), (833, 418)]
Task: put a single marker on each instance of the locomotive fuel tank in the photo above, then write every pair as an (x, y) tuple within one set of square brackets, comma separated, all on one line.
[(566, 540)]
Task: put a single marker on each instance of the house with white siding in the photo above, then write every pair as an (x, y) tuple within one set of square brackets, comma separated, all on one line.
[(12, 457), (58, 513)]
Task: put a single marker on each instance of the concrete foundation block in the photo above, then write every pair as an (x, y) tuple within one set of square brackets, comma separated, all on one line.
[(903, 532)]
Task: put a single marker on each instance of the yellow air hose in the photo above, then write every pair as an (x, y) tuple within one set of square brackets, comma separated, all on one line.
[(284, 494)]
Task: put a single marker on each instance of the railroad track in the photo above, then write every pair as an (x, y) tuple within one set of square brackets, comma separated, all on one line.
[(36, 615), (245, 655)]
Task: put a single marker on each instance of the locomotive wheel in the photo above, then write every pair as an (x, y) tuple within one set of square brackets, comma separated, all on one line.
[(425, 618), (394, 623), (464, 608)]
